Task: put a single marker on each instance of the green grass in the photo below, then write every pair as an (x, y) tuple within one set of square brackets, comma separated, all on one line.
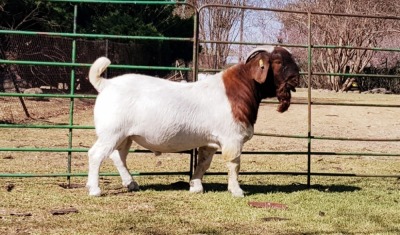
[(333, 205), (164, 206)]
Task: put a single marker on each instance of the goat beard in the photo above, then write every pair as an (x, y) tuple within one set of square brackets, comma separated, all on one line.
[(284, 96)]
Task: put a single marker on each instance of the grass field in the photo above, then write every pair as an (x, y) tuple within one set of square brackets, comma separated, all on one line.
[(333, 205)]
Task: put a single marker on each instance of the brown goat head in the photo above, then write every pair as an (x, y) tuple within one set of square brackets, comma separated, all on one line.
[(278, 73)]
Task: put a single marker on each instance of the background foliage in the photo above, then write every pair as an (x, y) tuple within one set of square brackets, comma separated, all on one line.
[(110, 19), (230, 24)]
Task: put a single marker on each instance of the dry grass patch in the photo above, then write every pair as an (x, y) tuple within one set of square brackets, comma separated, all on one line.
[(331, 206)]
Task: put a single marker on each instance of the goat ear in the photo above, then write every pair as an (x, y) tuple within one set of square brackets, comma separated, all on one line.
[(261, 70)]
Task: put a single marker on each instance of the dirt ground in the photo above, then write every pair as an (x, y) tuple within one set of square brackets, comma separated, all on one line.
[(339, 121)]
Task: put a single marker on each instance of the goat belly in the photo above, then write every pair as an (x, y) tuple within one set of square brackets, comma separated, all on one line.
[(177, 143)]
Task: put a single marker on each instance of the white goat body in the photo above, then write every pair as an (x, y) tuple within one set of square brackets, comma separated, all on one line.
[(165, 116)]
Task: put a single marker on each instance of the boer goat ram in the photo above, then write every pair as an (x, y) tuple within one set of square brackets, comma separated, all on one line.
[(165, 116)]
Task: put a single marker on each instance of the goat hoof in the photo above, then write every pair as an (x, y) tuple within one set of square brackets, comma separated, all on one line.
[(196, 190), (94, 191), (196, 186), (133, 186), (237, 193)]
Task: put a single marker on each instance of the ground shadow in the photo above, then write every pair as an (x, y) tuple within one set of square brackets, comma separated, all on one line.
[(254, 189)]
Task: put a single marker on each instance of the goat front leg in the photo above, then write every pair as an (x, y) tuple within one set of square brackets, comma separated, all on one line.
[(232, 155), (204, 162)]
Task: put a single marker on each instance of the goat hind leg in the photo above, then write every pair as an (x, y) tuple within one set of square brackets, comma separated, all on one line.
[(204, 162), (119, 159), (97, 154)]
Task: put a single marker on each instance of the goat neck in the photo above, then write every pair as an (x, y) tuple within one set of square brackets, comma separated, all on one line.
[(244, 92)]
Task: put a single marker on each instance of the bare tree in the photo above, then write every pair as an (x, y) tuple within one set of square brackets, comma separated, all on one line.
[(10, 20), (217, 24), (26, 18), (341, 31)]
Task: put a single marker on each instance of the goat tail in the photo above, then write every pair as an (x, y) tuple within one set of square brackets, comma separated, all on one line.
[(97, 68)]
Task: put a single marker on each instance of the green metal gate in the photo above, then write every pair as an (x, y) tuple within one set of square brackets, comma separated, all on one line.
[(195, 40)]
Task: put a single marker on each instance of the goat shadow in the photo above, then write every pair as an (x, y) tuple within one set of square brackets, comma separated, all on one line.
[(252, 189)]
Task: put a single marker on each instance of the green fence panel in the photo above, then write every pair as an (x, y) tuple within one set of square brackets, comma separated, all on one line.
[(72, 65)]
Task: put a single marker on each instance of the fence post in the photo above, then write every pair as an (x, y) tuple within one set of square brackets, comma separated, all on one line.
[(72, 91), (309, 47)]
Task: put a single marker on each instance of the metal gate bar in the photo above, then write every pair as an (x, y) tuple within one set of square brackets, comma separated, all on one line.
[(196, 42)]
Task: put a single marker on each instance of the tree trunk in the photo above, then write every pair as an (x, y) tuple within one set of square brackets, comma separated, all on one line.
[(347, 84), (335, 81)]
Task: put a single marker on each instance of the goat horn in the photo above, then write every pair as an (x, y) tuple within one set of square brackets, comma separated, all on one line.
[(255, 51)]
